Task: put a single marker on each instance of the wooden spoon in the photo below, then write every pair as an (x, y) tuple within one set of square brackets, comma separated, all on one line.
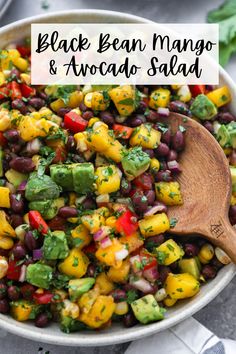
[(205, 183)]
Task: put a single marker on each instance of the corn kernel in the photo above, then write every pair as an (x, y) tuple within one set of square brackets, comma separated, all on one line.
[(2, 78), (70, 309), (155, 164), (92, 121), (88, 99), (121, 308), (21, 64), (206, 253), (184, 93), (57, 105), (75, 99), (3, 267), (26, 218), (72, 198)]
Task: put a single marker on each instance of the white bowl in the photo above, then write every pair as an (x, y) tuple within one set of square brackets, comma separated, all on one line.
[(117, 333)]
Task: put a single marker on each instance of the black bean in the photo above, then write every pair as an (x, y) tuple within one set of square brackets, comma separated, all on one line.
[(232, 158), (67, 212), (30, 241), (17, 203), (89, 203), (19, 105), (225, 117), (172, 156), (3, 291), (36, 102), (191, 250), (118, 295), (13, 293), (129, 320), (163, 272), (177, 141), (87, 115), (216, 263), (150, 152), (179, 107), (142, 107), (22, 164), (4, 306), (27, 291), (16, 220), (42, 95), (107, 117), (91, 270), (71, 144), (166, 137), (41, 320), (15, 148), (152, 116), (162, 150), (163, 165), (155, 241), (136, 121), (208, 271), (19, 251), (163, 176), (62, 111), (209, 126), (12, 135), (125, 187), (232, 214), (139, 201), (150, 195), (83, 107)]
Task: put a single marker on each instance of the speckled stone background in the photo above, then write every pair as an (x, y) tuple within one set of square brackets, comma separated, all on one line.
[(220, 315)]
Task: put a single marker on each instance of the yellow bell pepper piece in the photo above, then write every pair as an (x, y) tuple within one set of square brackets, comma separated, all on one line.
[(119, 275), (93, 222), (104, 284), (154, 164), (8, 57), (108, 255), (181, 286), (81, 233), (101, 311), (168, 302), (75, 264), (70, 309), (99, 102), (5, 228), (2, 79), (111, 221), (132, 242), (124, 99), (114, 151), (171, 251), (6, 243), (154, 225), (21, 64), (145, 136), (4, 197), (21, 310), (75, 99), (99, 139), (168, 193), (159, 98), (57, 104), (87, 300), (108, 179), (221, 96)]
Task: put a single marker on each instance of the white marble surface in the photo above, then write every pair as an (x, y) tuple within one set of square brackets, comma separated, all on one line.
[(220, 314)]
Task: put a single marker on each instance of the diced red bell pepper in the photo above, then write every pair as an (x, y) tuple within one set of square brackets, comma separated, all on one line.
[(36, 222), (60, 154), (4, 92), (27, 90), (23, 50), (127, 223), (152, 262), (44, 298), (14, 270), (3, 140), (143, 181), (15, 91), (197, 89), (74, 122), (122, 131)]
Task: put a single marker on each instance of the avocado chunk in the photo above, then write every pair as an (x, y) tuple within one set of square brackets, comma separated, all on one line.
[(223, 136), (62, 175), (146, 309), (55, 246), (68, 325), (135, 162), (39, 275), (203, 108), (15, 177), (231, 127), (41, 188), (60, 91), (83, 177), (47, 208), (77, 287), (191, 266)]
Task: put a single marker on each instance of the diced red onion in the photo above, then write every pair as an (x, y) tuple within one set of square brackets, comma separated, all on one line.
[(22, 186), (173, 166), (37, 254), (163, 111), (106, 242), (151, 274), (122, 254), (142, 285), (135, 261), (22, 273), (33, 146), (102, 233), (155, 209)]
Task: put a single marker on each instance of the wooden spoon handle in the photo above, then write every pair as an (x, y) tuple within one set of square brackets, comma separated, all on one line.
[(222, 234)]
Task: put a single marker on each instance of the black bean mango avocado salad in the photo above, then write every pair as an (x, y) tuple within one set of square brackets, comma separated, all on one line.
[(86, 176)]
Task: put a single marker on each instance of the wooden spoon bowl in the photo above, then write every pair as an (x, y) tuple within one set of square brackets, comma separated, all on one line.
[(205, 183)]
